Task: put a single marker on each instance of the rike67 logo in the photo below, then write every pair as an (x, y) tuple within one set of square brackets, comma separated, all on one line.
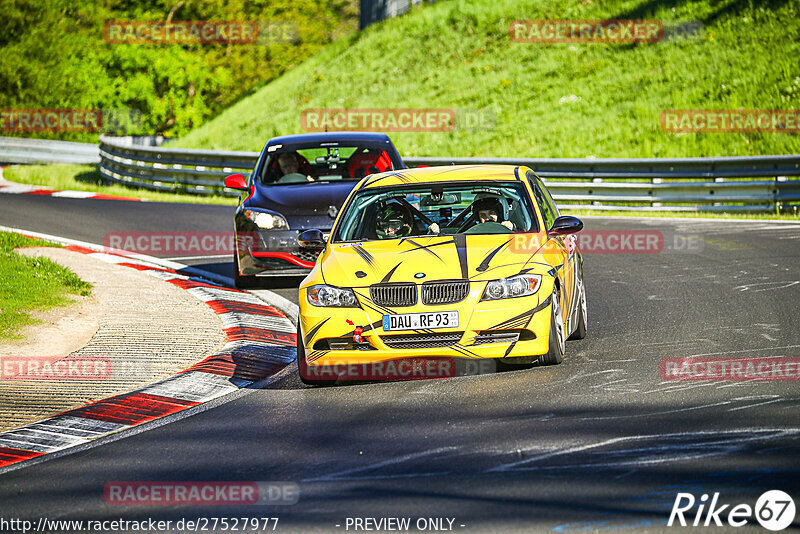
[(774, 510)]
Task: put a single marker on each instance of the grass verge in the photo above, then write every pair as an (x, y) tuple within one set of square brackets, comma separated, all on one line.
[(87, 178), (31, 283)]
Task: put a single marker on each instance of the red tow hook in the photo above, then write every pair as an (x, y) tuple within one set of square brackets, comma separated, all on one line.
[(357, 337)]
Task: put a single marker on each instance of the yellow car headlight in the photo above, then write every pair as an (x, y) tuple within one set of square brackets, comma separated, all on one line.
[(515, 286), (324, 295)]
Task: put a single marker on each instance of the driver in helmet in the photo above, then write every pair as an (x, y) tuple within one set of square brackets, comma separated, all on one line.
[(394, 220), (490, 210)]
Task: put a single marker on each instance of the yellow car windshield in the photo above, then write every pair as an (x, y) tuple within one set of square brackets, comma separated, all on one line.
[(431, 209)]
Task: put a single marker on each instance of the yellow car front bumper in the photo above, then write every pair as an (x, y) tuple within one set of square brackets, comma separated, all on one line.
[(506, 328)]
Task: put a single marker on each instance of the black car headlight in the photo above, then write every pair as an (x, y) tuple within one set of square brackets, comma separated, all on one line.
[(515, 286), (323, 295), (267, 220)]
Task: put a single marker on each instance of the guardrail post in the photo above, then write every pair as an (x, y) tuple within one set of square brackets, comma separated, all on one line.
[(654, 181)]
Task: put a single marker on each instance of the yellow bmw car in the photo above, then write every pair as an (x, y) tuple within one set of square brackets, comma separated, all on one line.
[(467, 263)]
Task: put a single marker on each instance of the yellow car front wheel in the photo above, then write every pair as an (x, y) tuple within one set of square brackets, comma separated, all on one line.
[(580, 329), (557, 345)]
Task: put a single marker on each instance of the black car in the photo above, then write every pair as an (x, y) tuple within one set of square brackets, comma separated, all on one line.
[(299, 182)]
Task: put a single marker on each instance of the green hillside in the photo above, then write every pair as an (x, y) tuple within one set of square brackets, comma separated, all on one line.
[(544, 100), (54, 54)]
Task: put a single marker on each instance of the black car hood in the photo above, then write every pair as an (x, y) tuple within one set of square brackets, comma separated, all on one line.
[(305, 205)]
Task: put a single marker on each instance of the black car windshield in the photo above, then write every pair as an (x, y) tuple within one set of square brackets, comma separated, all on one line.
[(286, 165), (437, 209)]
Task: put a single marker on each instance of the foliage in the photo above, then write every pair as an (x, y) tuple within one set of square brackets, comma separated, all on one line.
[(54, 55)]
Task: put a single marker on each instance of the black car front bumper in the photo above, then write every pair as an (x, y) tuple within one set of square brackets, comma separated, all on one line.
[(272, 253)]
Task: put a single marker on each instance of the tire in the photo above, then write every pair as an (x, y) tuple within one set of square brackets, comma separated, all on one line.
[(580, 329), (302, 367), (242, 282), (556, 346)]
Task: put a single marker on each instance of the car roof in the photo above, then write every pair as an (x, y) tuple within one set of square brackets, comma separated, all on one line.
[(329, 137), (448, 173)]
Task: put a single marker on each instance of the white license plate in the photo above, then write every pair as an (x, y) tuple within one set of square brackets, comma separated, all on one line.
[(415, 321)]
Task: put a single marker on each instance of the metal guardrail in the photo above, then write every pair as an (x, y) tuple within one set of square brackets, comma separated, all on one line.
[(748, 183), (21, 150), (647, 168), (660, 184), (676, 184), (193, 171)]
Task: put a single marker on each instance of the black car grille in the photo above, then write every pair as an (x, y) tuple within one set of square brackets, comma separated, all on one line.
[(444, 292), (422, 341), (307, 255), (394, 294)]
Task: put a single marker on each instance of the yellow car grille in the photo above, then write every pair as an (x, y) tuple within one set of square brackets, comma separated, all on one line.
[(405, 294), (444, 292), (394, 294)]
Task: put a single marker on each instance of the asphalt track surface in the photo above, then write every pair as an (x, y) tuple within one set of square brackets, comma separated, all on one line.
[(599, 442)]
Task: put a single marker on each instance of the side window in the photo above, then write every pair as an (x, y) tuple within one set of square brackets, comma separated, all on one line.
[(263, 175), (542, 201), (550, 202)]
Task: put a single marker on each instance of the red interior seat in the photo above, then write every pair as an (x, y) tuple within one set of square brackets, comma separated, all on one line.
[(361, 164)]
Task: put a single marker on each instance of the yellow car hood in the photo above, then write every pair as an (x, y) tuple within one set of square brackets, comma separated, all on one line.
[(477, 257)]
